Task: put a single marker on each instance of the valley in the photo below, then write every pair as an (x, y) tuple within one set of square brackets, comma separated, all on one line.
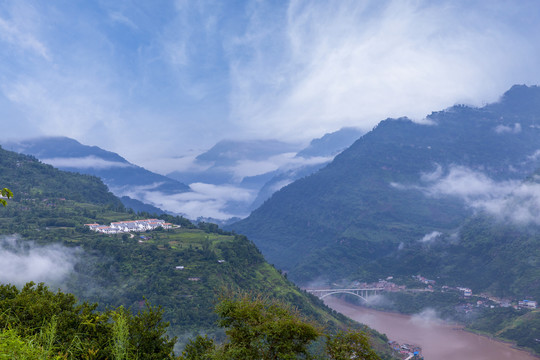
[(202, 180), (454, 203), (455, 200), (438, 340), (405, 199), (46, 236)]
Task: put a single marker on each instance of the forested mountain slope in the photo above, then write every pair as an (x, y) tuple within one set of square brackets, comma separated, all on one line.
[(43, 238), (121, 176), (397, 185), (29, 178)]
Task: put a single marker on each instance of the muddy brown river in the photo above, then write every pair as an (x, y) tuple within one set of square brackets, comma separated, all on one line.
[(439, 341)]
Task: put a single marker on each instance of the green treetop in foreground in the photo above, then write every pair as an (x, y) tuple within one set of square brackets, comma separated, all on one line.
[(259, 328), (36, 323)]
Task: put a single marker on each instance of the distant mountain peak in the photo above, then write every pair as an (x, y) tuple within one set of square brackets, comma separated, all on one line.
[(122, 177), (520, 99), (232, 151)]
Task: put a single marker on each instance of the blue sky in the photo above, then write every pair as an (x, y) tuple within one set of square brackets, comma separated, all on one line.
[(159, 79)]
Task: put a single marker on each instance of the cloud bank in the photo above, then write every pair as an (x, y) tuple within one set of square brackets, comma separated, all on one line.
[(84, 163), (206, 200), (150, 80), (24, 261), (282, 162), (354, 63), (512, 200), (229, 196), (427, 318)]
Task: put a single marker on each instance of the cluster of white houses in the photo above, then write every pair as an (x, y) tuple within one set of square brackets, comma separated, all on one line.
[(529, 304), (129, 226)]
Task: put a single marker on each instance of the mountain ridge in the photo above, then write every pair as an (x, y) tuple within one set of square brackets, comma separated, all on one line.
[(377, 191), (181, 269), (122, 177)]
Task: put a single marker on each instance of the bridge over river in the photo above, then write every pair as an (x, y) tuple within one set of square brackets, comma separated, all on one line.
[(361, 293)]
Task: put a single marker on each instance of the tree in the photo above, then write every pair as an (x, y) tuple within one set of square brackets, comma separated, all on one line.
[(51, 323), (200, 348), (263, 329), (6, 193), (349, 345), (259, 328)]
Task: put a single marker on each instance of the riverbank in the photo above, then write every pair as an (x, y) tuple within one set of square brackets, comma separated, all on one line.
[(503, 341), (439, 341)]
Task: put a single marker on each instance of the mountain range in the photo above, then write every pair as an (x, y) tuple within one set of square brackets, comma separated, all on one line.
[(403, 184), (230, 179), (123, 178), (43, 238), (454, 197)]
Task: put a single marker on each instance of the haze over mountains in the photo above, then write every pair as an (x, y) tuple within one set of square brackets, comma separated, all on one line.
[(228, 180), (299, 127), (454, 197), (405, 184), (43, 239)]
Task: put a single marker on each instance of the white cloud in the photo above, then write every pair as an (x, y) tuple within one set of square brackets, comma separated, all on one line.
[(167, 164), (535, 156), (521, 206), (434, 175), (24, 261), (208, 200), (430, 237), (56, 103), (505, 129), (84, 162), (283, 162), (468, 184), (426, 318), (280, 184), (149, 80), (379, 300), (21, 30), (329, 65), (120, 18), (205, 200), (512, 200)]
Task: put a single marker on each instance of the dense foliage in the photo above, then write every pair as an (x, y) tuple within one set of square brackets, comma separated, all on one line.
[(30, 179), (259, 328), (489, 257), (36, 323), (6, 194)]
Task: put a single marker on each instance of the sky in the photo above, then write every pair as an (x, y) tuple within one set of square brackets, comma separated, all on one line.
[(161, 79)]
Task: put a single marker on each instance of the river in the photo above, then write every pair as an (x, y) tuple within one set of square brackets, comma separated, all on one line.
[(439, 341)]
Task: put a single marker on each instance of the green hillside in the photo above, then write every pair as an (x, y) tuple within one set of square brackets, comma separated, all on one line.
[(517, 326), (381, 209), (50, 208), (31, 179), (342, 221)]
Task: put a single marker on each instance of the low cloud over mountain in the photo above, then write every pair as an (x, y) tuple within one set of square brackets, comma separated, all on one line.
[(512, 200), (21, 262)]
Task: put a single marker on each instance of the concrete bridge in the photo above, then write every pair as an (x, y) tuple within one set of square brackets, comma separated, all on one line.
[(361, 293)]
